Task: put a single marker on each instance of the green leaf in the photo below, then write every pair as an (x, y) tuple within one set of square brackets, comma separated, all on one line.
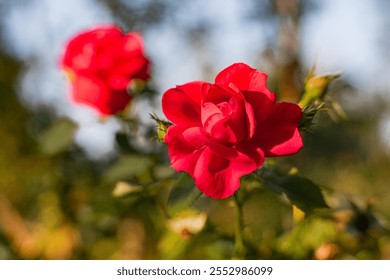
[(128, 167), (301, 192), (59, 137)]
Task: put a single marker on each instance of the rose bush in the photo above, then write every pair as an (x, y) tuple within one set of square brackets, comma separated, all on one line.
[(224, 130), (101, 63)]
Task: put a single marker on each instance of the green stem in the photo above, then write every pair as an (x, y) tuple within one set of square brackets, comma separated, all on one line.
[(239, 247)]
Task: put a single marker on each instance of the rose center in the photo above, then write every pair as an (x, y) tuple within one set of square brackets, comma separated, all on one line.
[(223, 121), (225, 108)]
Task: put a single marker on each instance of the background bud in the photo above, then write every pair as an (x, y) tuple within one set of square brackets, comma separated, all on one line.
[(316, 88)]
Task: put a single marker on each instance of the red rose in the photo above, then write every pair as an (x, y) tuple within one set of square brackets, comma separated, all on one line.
[(101, 63), (223, 131)]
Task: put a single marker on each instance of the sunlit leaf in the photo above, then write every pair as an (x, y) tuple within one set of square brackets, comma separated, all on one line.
[(188, 222), (123, 189)]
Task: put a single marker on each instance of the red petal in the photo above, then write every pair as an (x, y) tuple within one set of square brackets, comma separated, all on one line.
[(262, 106), (278, 135), (210, 110), (143, 73), (222, 131), (181, 105), (250, 120), (225, 151), (217, 93), (212, 117), (225, 114), (184, 147), (241, 118), (118, 101), (245, 78), (132, 44), (89, 90), (93, 92), (129, 66), (117, 81), (219, 177), (83, 46)]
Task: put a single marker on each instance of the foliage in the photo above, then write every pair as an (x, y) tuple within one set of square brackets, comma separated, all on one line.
[(327, 202)]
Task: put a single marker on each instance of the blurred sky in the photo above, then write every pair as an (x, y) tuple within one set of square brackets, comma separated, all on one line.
[(341, 35)]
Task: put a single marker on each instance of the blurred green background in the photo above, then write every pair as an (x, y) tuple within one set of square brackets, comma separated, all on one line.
[(58, 202)]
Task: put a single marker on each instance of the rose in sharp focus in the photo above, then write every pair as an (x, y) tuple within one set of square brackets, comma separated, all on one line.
[(224, 130), (101, 63)]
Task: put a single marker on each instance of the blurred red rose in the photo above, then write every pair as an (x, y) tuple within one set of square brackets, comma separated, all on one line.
[(224, 130), (101, 63)]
